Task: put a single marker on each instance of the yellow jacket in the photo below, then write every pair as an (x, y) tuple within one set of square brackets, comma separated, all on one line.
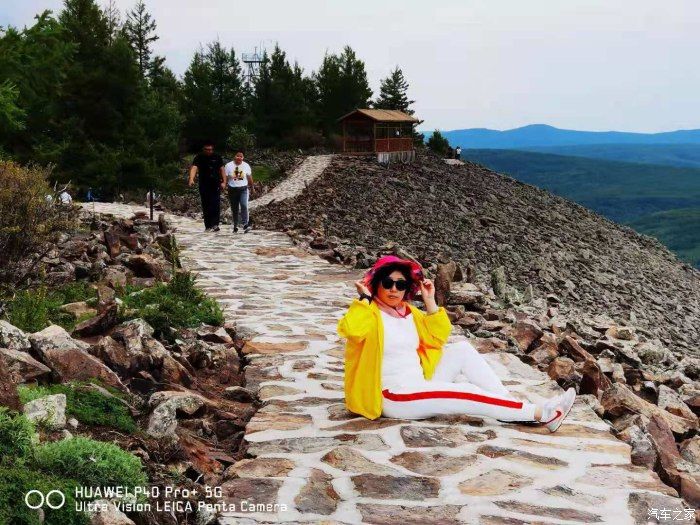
[(362, 327)]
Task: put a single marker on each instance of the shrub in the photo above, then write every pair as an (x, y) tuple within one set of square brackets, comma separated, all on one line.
[(28, 220), (177, 304), (16, 437), (90, 407), (91, 463), (240, 139), (34, 310), (438, 143), (15, 482)]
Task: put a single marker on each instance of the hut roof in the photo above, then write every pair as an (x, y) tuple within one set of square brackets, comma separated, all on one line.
[(383, 115)]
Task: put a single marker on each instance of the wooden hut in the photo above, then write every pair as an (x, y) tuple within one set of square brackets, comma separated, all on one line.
[(386, 132)]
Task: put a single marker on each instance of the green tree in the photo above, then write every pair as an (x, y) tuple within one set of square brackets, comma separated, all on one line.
[(342, 86), (33, 61), (214, 96), (438, 143), (393, 93), (140, 31), (282, 100), (11, 116)]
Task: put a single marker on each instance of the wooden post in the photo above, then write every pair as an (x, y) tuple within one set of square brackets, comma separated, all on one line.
[(151, 202)]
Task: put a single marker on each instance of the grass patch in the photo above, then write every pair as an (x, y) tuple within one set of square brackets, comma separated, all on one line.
[(34, 310), (263, 173), (90, 462), (15, 482), (16, 437), (177, 304), (90, 407)]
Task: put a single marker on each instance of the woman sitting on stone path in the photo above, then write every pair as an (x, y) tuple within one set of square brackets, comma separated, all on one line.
[(398, 365)]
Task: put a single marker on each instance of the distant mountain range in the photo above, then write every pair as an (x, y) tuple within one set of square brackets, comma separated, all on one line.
[(542, 135)]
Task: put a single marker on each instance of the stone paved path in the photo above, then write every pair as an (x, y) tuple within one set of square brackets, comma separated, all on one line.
[(305, 173), (327, 466)]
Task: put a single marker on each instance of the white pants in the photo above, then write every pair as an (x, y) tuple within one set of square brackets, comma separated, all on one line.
[(483, 395)]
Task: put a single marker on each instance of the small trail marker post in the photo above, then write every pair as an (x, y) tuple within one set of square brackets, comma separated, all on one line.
[(150, 202)]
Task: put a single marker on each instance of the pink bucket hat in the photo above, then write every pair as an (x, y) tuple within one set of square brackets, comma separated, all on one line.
[(413, 267)]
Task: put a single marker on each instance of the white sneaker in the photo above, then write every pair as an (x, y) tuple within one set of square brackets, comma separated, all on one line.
[(555, 410)]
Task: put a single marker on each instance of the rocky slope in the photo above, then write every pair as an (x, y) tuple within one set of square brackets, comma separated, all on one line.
[(184, 392), (483, 221)]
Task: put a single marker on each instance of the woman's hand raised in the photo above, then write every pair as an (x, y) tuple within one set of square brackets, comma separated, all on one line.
[(427, 291), (362, 287)]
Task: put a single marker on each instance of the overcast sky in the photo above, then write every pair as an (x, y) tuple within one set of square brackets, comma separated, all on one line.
[(629, 65)]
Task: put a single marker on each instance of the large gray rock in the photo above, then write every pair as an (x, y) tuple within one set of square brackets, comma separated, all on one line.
[(163, 420), (49, 411), (107, 513), (55, 337), (13, 338)]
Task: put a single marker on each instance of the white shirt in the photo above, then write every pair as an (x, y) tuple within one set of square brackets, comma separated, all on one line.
[(400, 362), (65, 198), (237, 174)]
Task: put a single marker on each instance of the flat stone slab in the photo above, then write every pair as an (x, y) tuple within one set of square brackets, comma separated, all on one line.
[(325, 465)]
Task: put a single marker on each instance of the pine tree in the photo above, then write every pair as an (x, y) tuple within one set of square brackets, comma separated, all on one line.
[(282, 98), (342, 86), (140, 30), (438, 143), (214, 96), (393, 93)]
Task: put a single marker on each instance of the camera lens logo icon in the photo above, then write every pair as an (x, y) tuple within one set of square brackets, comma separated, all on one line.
[(54, 499)]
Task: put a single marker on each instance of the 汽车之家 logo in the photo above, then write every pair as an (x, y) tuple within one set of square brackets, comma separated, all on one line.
[(54, 499)]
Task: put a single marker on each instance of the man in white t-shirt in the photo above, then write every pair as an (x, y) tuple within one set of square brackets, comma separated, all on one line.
[(239, 180)]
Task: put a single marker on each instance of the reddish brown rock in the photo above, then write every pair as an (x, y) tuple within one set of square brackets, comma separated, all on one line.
[(562, 370), (433, 463), (112, 242), (254, 490), (525, 333), (545, 350), (670, 401), (573, 349), (396, 487), (619, 400), (260, 468), (318, 495), (8, 390), (99, 324), (144, 265), (694, 404), (74, 364), (488, 345), (444, 274), (671, 467), (593, 380), (20, 367)]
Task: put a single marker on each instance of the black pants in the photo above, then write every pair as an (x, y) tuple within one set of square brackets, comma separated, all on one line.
[(211, 206)]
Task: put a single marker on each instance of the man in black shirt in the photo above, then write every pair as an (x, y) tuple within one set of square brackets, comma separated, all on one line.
[(212, 179)]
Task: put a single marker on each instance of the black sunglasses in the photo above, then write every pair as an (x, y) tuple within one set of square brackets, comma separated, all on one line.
[(401, 284)]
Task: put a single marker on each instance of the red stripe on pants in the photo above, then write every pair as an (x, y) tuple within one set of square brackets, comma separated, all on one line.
[(447, 394)]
